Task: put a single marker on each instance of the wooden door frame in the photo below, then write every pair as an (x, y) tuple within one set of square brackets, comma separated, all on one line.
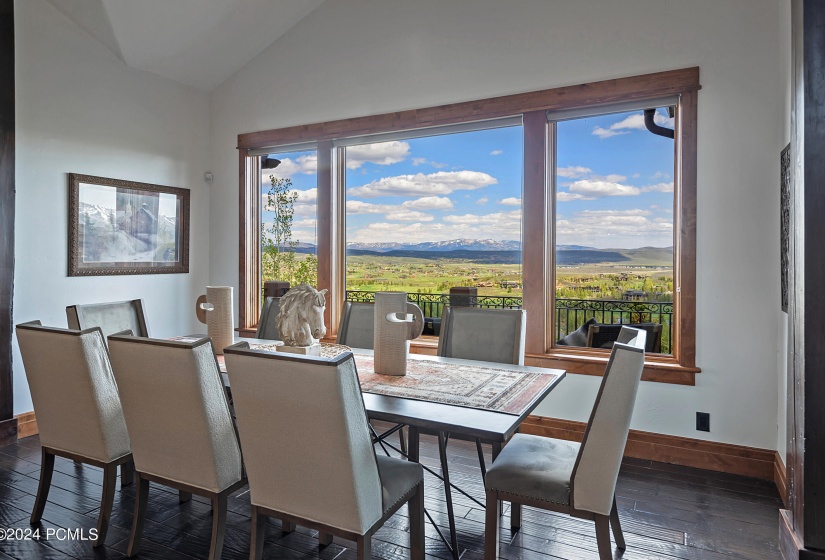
[(8, 423)]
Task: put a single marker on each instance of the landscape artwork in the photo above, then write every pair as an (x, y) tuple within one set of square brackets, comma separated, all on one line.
[(126, 227)]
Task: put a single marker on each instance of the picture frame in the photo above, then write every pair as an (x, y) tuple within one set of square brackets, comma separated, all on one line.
[(119, 227)]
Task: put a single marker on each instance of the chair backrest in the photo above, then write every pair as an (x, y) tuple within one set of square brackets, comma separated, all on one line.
[(600, 456), (357, 326), (112, 317), (74, 391), (490, 335), (604, 335), (176, 409), (268, 323), (306, 441)]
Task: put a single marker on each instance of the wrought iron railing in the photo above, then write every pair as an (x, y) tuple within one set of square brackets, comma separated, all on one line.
[(570, 313)]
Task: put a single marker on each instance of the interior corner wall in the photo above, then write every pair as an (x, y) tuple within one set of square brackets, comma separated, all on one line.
[(352, 58), (80, 109)]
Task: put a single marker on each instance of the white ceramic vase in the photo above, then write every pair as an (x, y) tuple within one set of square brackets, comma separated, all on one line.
[(396, 323), (220, 317)]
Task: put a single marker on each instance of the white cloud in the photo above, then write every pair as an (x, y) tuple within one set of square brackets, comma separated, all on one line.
[(496, 152), (419, 160), (424, 161), (510, 201), (573, 171), (424, 203), (381, 153), (659, 187), (483, 200), (306, 165), (409, 216), (563, 196), (600, 189), (615, 228), (632, 122), (660, 175), (440, 182), (304, 205), (500, 225), (429, 203)]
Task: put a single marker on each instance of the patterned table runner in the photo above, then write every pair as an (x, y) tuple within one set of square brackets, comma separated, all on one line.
[(475, 386)]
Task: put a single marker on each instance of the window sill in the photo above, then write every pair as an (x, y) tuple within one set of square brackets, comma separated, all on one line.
[(658, 367)]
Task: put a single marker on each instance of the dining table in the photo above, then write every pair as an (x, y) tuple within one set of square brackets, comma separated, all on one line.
[(486, 403)]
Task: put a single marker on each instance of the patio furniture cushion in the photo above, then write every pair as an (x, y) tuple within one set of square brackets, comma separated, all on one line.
[(577, 337), (535, 467)]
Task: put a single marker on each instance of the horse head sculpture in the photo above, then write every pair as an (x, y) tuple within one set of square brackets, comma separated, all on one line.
[(301, 319)]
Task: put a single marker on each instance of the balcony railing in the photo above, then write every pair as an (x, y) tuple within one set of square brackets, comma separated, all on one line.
[(570, 313)]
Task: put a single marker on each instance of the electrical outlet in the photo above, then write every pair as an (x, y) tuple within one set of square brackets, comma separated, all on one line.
[(703, 421)]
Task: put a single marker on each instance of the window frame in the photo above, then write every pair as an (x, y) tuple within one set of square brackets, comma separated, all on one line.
[(539, 191)]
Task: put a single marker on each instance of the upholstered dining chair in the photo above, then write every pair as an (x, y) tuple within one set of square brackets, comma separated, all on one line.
[(79, 415), (568, 477), (180, 425), (111, 317), (309, 453), (357, 326), (489, 335), (268, 322)]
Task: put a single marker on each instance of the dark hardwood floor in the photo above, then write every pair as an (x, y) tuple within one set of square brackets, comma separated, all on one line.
[(667, 512)]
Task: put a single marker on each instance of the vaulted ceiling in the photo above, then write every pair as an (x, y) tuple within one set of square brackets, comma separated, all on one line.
[(196, 42)]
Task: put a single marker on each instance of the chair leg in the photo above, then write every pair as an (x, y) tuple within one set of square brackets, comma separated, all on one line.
[(491, 521), (616, 526), (218, 525), (416, 513), (46, 471), (127, 473), (141, 497), (324, 539), (364, 548), (109, 486), (184, 497), (515, 516), (287, 526), (603, 537), (256, 543)]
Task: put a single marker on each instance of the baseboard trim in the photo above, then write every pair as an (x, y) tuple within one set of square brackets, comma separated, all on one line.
[(780, 477), (8, 431), (26, 425), (790, 545), (720, 457)]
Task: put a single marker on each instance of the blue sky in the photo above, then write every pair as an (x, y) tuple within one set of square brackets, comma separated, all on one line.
[(614, 186)]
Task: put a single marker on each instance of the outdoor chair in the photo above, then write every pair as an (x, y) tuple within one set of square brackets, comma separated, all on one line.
[(79, 415), (568, 477), (180, 425), (309, 452), (603, 336)]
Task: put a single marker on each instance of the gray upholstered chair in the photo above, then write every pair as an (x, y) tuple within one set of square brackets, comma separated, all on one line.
[(79, 415), (489, 335), (268, 323), (357, 326), (112, 317), (568, 477), (309, 454), (180, 425)]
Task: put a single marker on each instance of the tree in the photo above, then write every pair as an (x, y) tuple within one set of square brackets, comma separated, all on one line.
[(278, 257)]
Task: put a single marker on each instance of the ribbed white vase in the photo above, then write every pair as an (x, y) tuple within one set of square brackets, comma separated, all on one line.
[(220, 318), (396, 323)]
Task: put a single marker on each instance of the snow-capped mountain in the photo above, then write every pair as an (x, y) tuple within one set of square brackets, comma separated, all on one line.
[(451, 245)]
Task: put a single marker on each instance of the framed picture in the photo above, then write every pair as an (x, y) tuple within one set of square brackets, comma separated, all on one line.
[(124, 227)]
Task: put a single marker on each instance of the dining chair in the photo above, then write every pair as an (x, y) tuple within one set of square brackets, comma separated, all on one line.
[(357, 326), (180, 425), (568, 477), (268, 322), (604, 335), (489, 335), (309, 454), (111, 317), (79, 415)]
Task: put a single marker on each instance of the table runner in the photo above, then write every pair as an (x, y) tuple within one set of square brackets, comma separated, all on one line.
[(474, 386)]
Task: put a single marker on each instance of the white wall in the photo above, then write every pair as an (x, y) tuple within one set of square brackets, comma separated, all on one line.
[(81, 110), (362, 57)]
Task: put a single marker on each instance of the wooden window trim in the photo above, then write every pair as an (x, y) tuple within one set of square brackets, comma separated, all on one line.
[(538, 260)]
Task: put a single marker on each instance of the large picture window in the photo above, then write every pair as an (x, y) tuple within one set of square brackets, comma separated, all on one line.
[(561, 202)]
